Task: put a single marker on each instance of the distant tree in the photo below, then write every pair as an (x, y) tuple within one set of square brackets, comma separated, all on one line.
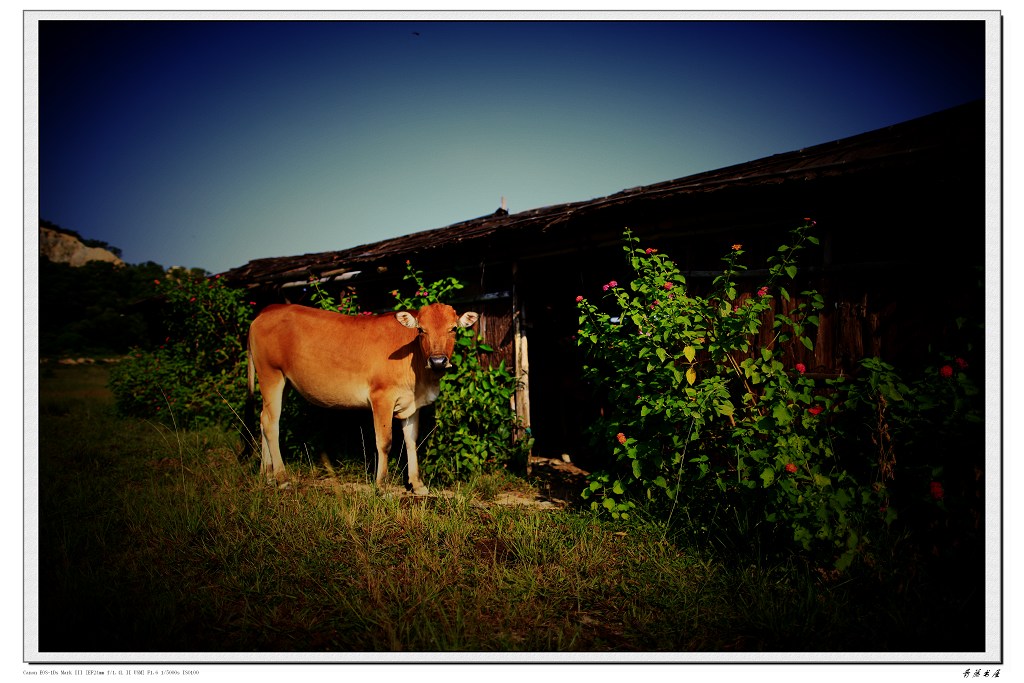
[(95, 309)]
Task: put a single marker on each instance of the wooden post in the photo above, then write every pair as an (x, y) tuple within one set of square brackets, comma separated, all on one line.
[(522, 397)]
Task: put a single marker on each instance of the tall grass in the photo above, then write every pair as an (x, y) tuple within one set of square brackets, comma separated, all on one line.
[(159, 540)]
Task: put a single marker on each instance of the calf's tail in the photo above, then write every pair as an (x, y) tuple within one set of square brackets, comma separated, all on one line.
[(251, 425), (252, 373)]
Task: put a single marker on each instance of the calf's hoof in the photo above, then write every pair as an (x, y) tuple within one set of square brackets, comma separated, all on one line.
[(420, 490)]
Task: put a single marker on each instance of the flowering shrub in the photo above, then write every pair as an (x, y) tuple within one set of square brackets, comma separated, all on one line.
[(706, 418), (198, 375)]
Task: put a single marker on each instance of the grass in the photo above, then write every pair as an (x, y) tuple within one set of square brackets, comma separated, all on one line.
[(157, 540)]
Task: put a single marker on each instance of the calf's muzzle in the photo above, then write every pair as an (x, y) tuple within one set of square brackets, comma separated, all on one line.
[(438, 363)]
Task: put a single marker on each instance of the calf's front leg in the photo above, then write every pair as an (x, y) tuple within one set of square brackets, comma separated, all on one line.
[(410, 430)]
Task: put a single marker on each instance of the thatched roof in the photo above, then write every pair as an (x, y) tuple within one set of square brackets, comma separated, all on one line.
[(913, 145)]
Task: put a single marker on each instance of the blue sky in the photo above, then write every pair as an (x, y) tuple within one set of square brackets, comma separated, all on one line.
[(210, 143)]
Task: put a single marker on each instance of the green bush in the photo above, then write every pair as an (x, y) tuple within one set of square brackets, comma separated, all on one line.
[(475, 429), (705, 424), (198, 375)]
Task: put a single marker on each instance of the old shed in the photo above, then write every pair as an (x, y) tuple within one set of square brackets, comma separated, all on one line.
[(900, 213)]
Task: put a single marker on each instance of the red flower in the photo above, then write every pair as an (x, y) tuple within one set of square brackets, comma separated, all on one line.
[(156, 282), (649, 251), (946, 371), (667, 285), (791, 468), (815, 410), (801, 368), (960, 363), (763, 291), (737, 247), (579, 299), (613, 284), (937, 492), (192, 300), (621, 437)]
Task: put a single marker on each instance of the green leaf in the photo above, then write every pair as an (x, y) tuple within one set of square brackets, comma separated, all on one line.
[(781, 414), (617, 488), (662, 354), (890, 392), (807, 342), (791, 271), (802, 536), (767, 476), (846, 559), (689, 353), (691, 376)]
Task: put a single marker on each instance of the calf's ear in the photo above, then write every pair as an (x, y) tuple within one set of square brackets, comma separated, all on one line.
[(467, 319), (407, 319)]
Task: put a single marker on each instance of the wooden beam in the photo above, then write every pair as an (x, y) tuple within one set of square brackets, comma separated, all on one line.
[(522, 356)]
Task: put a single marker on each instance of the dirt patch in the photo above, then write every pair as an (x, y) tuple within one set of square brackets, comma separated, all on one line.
[(557, 485), (558, 480)]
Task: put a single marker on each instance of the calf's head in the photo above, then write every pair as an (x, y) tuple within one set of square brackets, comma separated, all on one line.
[(437, 325)]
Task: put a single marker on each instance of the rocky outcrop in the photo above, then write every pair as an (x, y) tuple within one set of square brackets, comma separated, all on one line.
[(64, 248)]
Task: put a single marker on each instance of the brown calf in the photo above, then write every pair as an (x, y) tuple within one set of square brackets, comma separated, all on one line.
[(390, 364)]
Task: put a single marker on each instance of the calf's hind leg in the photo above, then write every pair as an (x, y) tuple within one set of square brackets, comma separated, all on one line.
[(383, 411), (272, 464)]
